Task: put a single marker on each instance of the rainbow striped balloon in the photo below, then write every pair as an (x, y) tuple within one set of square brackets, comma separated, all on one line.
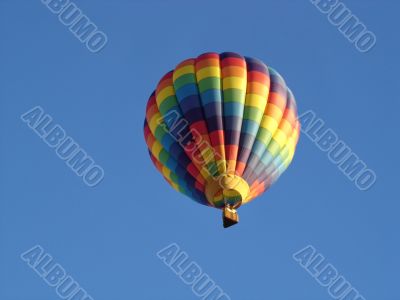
[(221, 128)]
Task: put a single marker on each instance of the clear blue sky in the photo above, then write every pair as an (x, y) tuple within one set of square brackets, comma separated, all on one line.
[(107, 237)]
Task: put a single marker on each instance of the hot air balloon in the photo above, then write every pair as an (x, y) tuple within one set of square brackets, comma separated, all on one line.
[(221, 129)]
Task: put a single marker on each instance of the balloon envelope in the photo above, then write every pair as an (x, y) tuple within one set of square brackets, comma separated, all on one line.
[(221, 128)]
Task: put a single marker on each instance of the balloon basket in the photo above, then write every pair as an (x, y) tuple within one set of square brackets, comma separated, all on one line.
[(229, 216)]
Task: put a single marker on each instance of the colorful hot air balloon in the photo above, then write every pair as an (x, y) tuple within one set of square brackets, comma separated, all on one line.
[(221, 128)]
